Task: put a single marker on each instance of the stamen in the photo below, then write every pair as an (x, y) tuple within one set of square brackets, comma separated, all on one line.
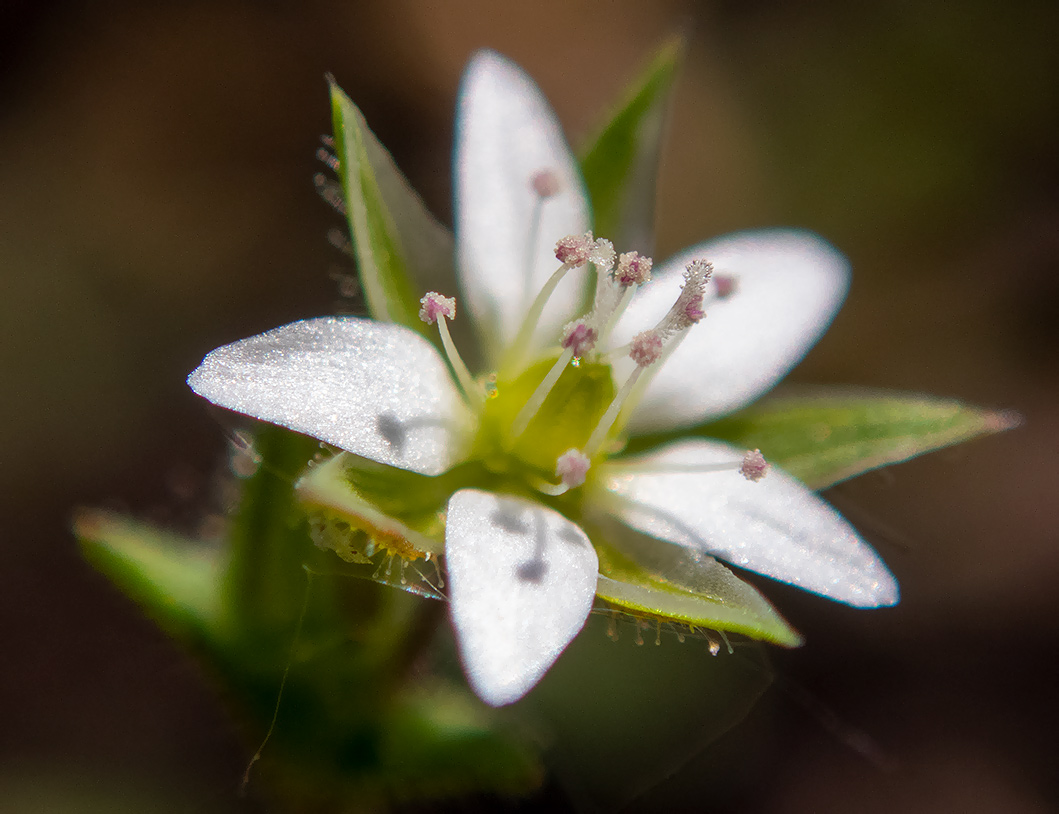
[(434, 305), (572, 251), (725, 285), (645, 348), (572, 468), (602, 255), (546, 183), (616, 313), (687, 310), (649, 348), (633, 269), (575, 250), (615, 292), (438, 309), (536, 401), (580, 337), (595, 441), (754, 466)]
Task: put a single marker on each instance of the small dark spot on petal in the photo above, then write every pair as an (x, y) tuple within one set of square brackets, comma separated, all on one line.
[(392, 430)]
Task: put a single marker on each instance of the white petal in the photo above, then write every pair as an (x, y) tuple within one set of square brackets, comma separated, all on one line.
[(790, 285), (522, 580), (776, 527), (506, 133), (374, 389)]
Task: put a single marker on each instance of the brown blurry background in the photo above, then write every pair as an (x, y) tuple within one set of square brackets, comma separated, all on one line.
[(156, 201)]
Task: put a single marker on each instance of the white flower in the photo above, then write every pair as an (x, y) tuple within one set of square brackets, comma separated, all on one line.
[(533, 468)]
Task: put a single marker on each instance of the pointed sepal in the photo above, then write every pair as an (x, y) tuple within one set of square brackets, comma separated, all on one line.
[(832, 436), (620, 163), (401, 250)]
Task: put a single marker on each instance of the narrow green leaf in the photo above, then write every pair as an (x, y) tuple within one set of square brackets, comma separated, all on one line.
[(649, 578), (620, 165), (401, 250), (176, 581), (831, 437)]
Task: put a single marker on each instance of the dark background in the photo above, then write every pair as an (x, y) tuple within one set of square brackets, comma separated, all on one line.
[(156, 201)]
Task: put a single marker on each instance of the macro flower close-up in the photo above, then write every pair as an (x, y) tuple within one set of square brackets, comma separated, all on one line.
[(475, 407), (518, 475)]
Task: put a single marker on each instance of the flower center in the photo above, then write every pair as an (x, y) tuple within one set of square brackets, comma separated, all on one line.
[(547, 419)]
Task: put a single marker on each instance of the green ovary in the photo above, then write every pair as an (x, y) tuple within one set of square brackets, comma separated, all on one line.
[(565, 420)]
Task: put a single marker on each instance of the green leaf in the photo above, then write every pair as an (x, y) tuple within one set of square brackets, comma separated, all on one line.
[(831, 437), (176, 581), (620, 165), (401, 250), (669, 583)]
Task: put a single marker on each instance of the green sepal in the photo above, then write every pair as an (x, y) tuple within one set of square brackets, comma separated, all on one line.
[(177, 581), (828, 438), (400, 248), (648, 578), (620, 165), (354, 502)]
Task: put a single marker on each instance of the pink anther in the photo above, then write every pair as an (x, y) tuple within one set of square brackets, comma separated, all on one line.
[(579, 337), (575, 250), (434, 305), (572, 468), (633, 269), (645, 348), (546, 183), (754, 467)]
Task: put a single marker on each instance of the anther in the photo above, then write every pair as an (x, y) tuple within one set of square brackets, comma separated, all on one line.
[(572, 468), (436, 309), (434, 305), (633, 269), (688, 308), (645, 348), (725, 285), (546, 183), (574, 251), (650, 348), (754, 466), (579, 337), (614, 295), (602, 255)]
